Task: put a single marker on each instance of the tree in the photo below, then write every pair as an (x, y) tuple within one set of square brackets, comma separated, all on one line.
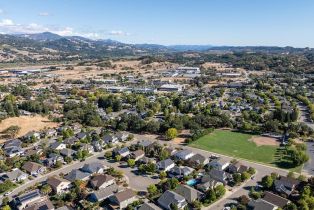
[(197, 205), (118, 158), (172, 183), (245, 176), (171, 133), (131, 163), (164, 154), (6, 207), (236, 178), (220, 191), (46, 189), (290, 206), (244, 200), (267, 182), (108, 154), (152, 190), (12, 131), (162, 175)]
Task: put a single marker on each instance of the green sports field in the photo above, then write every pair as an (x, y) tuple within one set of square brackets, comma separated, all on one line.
[(236, 145)]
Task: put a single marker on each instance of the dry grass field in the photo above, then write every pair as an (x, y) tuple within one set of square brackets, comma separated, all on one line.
[(27, 124)]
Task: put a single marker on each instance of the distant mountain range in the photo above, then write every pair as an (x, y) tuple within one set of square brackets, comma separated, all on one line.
[(50, 46)]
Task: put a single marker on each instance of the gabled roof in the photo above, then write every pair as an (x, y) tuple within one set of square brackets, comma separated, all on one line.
[(55, 181), (165, 163), (99, 180), (149, 206), (105, 192), (43, 205), (15, 173), (31, 166), (260, 204), (189, 193), (76, 175), (168, 198), (93, 167), (275, 199), (198, 158), (124, 195)]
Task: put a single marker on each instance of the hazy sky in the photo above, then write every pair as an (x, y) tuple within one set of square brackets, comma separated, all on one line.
[(216, 22)]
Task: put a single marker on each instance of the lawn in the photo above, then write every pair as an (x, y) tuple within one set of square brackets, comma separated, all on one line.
[(236, 145)]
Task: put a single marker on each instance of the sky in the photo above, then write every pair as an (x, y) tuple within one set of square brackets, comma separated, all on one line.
[(168, 22)]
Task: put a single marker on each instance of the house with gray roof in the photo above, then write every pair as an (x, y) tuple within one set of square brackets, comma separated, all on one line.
[(77, 175), (122, 199), (165, 165), (149, 206), (94, 168), (189, 193), (104, 193), (16, 175), (67, 152), (169, 198)]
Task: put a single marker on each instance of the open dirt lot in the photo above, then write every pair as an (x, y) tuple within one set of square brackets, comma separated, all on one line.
[(268, 141), (27, 124)]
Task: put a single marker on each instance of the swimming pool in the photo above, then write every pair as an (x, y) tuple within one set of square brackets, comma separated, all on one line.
[(192, 182)]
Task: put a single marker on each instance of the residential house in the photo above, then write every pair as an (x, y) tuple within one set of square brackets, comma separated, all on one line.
[(87, 147), (183, 154), (198, 160), (123, 199), (189, 193), (110, 139), (77, 175), (218, 164), (122, 136), (71, 140), (98, 147), (13, 151), (31, 134), (33, 168), (52, 160), (58, 146), (51, 133), (31, 152), (146, 145), (217, 175), (180, 171), (123, 152), (170, 198), (145, 160), (67, 152), (237, 168), (58, 184), (28, 199), (260, 204), (138, 154), (286, 185), (94, 168), (46, 204), (81, 135), (15, 175), (149, 206), (104, 193), (171, 151), (102, 181), (208, 183), (13, 148), (165, 165), (276, 200)]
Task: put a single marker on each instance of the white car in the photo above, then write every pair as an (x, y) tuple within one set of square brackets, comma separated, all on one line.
[(7, 193)]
